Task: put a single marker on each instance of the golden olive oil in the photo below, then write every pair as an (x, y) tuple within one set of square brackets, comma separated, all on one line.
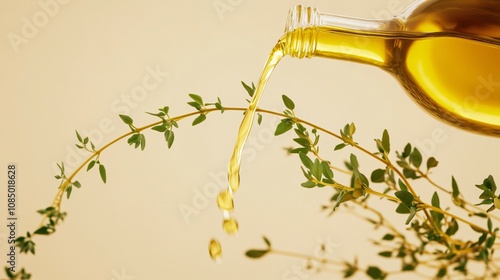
[(230, 226), (248, 119), (225, 200), (446, 54), (215, 250)]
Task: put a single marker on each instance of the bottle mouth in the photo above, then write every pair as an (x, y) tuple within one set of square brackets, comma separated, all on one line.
[(301, 17)]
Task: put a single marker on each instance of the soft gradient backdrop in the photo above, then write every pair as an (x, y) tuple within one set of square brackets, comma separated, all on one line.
[(75, 64)]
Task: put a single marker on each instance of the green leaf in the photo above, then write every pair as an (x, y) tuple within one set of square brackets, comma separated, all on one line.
[(327, 171), (403, 164), (126, 119), (490, 183), (349, 271), (374, 272), (169, 137), (165, 110), (386, 141), (385, 254), (306, 161), (317, 169), (402, 209), (490, 241), (159, 128), (68, 191), (388, 237), (78, 136), (196, 98), (408, 267), (195, 105), (220, 107), (77, 184), (250, 90), (413, 212), (406, 151), (43, 231), (9, 273), (303, 142), (452, 227), (174, 123), (416, 157), (351, 130), (435, 200), (298, 150), (378, 176), (283, 126), (405, 196), (409, 173), (308, 184), (431, 163), (402, 185), (288, 102), (340, 146), (133, 139), (199, 119), (91, 164), (442, 272), (268, 243), (102, 172), (159, 115), (354, 161), (256, 254), (259, 118), (143, 141), (454, 186)]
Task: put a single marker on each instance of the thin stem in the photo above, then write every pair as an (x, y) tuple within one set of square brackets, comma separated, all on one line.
[(426, 177), (59, 195), (439, 210), (305, 256)]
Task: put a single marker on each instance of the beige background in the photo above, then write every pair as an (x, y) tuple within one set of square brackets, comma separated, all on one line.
[(84, 65)]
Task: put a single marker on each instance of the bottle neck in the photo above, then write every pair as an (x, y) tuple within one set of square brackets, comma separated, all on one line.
[(309, 33)]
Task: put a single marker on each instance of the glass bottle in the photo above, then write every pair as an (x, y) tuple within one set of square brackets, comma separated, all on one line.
[(446, 54)]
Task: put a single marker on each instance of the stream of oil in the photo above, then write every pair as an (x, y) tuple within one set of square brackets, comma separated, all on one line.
[(225, 197)]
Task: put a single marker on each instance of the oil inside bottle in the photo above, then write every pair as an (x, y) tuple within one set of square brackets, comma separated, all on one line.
[(444, 53)]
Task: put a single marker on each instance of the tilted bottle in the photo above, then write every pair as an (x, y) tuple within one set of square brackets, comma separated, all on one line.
[(445, 53)]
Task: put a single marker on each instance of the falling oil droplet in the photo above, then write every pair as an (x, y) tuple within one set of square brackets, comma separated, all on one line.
[(225, 200), (230, 226), (215, 250)]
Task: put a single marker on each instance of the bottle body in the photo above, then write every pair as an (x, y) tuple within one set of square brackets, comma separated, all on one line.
[(446, 54)]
